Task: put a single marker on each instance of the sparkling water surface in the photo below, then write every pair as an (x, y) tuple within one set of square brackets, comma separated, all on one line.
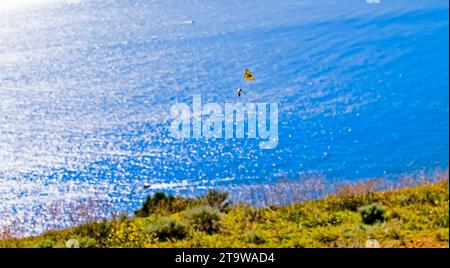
[(86, 89)]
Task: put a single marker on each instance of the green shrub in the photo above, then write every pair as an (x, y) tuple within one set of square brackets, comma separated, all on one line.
[(254, 215), (431, 197), (161, 204), (120, 217), (332, 219), (167, 229), (254, 238), (442, 235), (46, 243), (372, 213), (204, 218), (216, 200), (395, 233), (326, 237), (350, 203), (337, 218), (95, 230)]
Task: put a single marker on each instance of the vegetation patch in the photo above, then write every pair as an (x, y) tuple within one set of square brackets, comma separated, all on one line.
[(416, 216)]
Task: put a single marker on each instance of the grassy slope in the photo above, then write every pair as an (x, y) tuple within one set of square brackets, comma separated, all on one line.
[(415, 217)]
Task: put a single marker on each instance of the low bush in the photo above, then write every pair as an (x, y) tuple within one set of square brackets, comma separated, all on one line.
[(216, 199), (326, 237), (372, 213), (204, 218), (443, 235), (100, 231), (254, 238), (254, 215), (167, 229), (46, 243), (161, 204)]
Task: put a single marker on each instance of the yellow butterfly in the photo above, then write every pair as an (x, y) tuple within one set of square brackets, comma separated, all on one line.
[(248, 75)]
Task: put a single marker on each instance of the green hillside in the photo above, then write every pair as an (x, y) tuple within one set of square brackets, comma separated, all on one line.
[(409, 217)]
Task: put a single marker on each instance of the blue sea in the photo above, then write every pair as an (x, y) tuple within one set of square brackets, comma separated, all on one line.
[(86, 88)]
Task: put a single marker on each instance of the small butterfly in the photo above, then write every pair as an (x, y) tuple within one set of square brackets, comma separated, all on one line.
[(248, 75), (240, 91)]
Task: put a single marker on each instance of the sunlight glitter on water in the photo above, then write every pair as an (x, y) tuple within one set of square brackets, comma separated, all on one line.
[(20, 3), (86, 90)]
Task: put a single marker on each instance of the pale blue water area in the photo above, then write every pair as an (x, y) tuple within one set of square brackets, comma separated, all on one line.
[(86, 89)]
